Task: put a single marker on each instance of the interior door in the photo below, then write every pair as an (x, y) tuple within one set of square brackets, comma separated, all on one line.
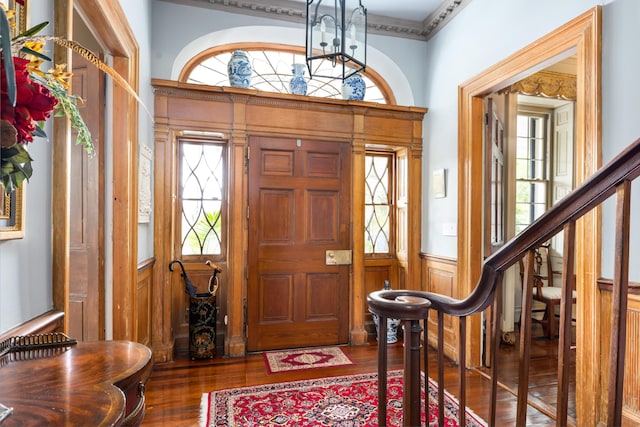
[(494, 187), (494, 199), (299, 205), (86, 294), (561, 172)]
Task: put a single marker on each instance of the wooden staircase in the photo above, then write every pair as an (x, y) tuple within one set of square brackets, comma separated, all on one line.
[(611, 181)]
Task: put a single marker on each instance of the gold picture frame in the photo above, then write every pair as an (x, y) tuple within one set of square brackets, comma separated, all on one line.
[(12, 214), (21, 14), (12, 205)]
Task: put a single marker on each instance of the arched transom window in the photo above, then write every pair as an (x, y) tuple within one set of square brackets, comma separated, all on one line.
[(272, 70)]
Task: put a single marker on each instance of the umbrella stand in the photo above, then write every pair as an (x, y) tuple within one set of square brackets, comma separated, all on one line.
[(202, 315)]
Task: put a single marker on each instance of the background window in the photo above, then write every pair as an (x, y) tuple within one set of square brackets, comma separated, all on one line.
[(532, 178)]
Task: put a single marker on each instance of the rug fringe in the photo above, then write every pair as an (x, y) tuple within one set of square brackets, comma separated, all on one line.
[(203, 419)]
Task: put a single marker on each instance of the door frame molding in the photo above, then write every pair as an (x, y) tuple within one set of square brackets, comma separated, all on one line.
[(110, 26), (582, 37)]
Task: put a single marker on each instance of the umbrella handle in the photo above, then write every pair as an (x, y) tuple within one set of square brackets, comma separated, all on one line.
[(213, 281), (181, 266), (214, 267)]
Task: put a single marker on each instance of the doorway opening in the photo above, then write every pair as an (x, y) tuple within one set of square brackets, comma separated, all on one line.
[(580, 37)]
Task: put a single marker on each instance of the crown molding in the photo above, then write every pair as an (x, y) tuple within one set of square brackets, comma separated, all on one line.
[(442, 16), (292, 11)]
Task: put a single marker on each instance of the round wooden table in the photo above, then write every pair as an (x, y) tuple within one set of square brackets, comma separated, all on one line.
[(97, 383)]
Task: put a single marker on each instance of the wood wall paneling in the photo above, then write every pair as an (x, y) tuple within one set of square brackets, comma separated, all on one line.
[(144, 294), (440, 276), (631, 386), (375, 275)]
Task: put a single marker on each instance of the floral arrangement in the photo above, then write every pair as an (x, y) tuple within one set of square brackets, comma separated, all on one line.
[(29, 96)]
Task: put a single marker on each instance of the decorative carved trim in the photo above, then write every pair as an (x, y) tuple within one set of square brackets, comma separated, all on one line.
[(547, 84), (445, 13), (295, 11)]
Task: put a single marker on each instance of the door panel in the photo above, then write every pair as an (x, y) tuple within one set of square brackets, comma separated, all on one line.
[(494, 209), (86, 313), (298, 209), (561, 172)]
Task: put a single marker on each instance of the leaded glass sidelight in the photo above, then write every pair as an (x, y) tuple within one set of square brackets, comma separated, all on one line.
[(378, 199), (201, 192)]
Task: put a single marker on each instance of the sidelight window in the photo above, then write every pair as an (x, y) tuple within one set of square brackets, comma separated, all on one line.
[(378, 203), (201, 191)]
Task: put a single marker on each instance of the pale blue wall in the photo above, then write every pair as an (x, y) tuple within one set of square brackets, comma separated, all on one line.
[(139, 15), (482, 34), (25, 264), (620, 112)]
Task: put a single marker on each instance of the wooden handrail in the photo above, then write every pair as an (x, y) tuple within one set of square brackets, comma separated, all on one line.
[(612, 179)]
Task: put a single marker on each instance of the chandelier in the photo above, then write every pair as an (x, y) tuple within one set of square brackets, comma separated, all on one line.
[(336, 32)]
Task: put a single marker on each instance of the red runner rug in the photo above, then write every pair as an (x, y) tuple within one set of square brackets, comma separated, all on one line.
[(332, 401), (305, 358)]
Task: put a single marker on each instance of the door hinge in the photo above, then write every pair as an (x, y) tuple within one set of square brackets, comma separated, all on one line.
[(248, 153), (246, 316), (486, 118), (247, 212)]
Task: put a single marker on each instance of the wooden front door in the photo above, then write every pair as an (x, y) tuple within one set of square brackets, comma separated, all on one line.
[(299, 206)]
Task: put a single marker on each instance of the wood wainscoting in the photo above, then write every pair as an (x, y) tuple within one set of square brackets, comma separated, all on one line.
[(439, 275), (631, 393), (143, 302), (376, 271)]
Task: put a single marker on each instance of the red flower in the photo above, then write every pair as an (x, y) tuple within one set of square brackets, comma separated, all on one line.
[(34, 102), (21, 2)]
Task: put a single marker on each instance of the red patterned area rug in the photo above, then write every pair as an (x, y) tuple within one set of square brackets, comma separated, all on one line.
[(332, 401), (305, 358)]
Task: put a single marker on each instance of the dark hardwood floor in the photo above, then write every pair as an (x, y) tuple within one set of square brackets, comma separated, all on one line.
[(174, 390)]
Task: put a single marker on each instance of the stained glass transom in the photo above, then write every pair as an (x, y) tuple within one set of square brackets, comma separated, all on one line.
[(272, 71)]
